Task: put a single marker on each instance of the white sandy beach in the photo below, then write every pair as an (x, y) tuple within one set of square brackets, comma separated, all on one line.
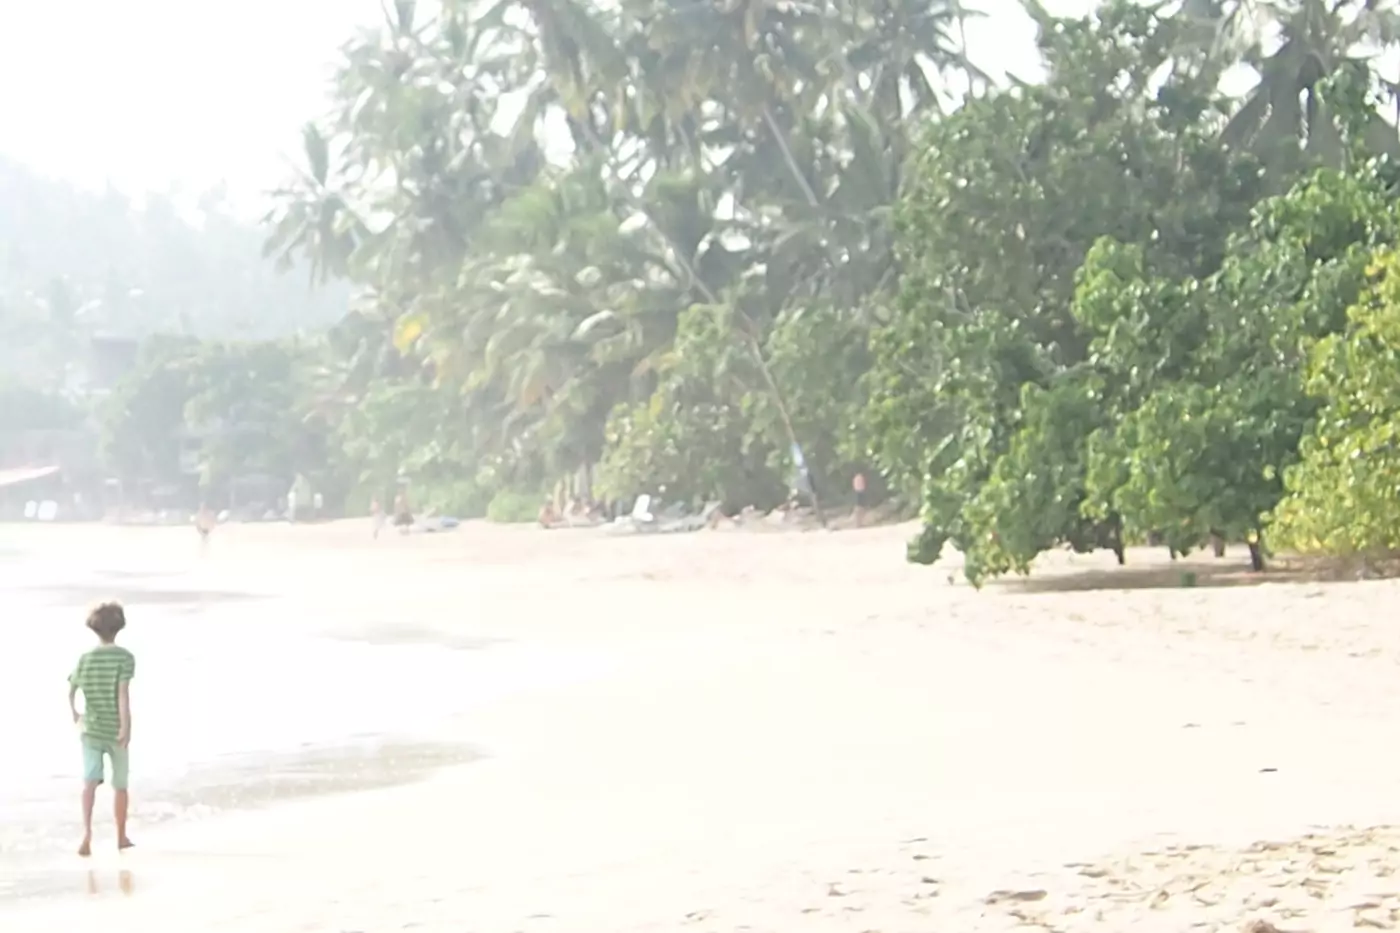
[(804, 733)]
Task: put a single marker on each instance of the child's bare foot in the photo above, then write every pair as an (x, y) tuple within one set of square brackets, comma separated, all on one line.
[(85, 849), (124, 843)]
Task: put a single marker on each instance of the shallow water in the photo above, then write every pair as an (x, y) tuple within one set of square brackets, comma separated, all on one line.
[(240, 697)]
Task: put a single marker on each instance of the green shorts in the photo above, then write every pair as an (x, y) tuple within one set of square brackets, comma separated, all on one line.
[(94, 751)]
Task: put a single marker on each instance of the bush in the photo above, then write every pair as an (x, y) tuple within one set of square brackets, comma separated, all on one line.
[(512, 507), (464, 498), (696, 451), (1343, 498)]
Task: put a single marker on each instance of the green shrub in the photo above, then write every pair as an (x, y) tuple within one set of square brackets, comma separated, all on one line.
[(1343, 497), (458, 498), (511, 506)]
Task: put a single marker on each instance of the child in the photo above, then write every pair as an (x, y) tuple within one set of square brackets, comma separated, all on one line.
[(104, 677)]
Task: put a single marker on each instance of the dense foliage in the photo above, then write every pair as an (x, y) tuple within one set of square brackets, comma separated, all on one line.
[(228, 422), (680, 249), (1344, 491), (1108, 300), (649, 239)]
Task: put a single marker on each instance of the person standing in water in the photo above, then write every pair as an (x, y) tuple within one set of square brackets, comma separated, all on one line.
[(103, 676)]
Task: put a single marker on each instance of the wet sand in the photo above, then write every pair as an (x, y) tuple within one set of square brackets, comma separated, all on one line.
[(805, 733)]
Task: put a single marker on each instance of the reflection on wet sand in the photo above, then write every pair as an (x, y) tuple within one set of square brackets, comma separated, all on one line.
[(239, 783), (71, 594), (399, 632), (266, 779), (125, 883)]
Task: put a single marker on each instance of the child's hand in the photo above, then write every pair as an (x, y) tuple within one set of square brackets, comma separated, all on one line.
[(123, 738), (76, 717)]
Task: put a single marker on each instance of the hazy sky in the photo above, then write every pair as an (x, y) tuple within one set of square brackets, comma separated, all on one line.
[(162, 94), (154, 93)]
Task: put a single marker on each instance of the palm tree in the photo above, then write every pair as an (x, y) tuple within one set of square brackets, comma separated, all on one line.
[(1286, 116), (740, 157), (313, 218)]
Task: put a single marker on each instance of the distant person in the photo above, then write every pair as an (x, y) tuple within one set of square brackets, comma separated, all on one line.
[(376, 516), (292, 505), (403, 512), (204, 522), (103, 676), (858, 487)]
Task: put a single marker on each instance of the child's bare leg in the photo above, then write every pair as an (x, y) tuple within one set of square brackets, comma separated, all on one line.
[(120, 801), (121, 761), (89, 799)]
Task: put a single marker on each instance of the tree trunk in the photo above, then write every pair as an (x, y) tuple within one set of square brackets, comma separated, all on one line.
[(781, 402), (1117, 541), (1256, 554), (1217, 543), (793, 168)]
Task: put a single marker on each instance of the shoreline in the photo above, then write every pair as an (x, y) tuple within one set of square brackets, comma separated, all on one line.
[(232, 788), (167, 601), (802, 732)]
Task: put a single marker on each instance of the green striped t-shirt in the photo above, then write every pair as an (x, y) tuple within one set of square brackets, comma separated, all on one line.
[(97, 675)]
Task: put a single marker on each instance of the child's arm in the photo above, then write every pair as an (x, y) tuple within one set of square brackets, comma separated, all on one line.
[(124, 712), (73, 701)]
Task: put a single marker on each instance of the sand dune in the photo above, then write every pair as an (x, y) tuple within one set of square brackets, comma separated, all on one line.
[(807, 734)]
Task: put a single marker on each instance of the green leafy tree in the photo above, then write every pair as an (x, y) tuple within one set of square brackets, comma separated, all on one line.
[(984, 349), (1215, 404), (142, 421), (1040, 482), (693, 437), (246, 411), (1343, 495)]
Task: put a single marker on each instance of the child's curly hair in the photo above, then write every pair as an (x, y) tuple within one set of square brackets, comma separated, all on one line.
[(107, 620)]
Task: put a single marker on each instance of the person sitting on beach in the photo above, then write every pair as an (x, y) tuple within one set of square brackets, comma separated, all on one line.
[(594, 510), (103, 676), (403, 513), (548, 517)]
